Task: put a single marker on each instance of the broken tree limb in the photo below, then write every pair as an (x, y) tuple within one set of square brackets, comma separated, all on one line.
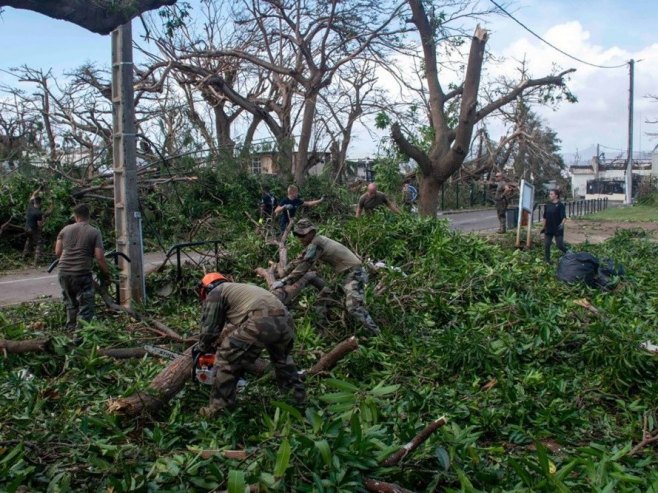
[(377, 486), (157, 327), (329, 360), (123, 353), (28, 346), (647, 437), (289, 293), (416, 442), (163, 387)]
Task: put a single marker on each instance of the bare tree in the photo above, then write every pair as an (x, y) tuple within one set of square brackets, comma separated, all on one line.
[(98, 16), (452, 133), (302, 44), (352, 96)]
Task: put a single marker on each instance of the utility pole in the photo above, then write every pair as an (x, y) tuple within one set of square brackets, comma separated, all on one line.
[(127, 217), (629, 164)]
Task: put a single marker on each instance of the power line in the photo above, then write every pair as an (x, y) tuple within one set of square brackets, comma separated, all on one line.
[(552, 45)]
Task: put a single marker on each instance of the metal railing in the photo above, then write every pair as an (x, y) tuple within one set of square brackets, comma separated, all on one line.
[(574, 208), (180, 246)]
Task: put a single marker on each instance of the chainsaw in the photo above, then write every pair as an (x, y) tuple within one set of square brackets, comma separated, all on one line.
[(203, 369)]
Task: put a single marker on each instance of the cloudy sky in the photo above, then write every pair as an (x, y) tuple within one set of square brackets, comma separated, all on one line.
[(605, 32)]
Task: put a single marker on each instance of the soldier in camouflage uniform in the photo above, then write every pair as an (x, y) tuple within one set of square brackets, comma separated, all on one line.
[(77, 246), (501, 197), (341, 259), (262, 322)]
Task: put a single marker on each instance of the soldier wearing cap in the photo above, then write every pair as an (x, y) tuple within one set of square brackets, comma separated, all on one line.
[(341, 259), (262, 322)]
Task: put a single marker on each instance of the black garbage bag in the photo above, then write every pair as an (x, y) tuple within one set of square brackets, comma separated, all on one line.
[(609, 274), (578, 267), (585, 267)]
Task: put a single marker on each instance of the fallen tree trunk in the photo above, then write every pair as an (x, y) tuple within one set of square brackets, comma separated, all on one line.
[(163, 387), (29, 346), (172, 379)]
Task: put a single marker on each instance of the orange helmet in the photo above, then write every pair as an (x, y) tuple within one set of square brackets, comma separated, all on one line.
[(209, 282)]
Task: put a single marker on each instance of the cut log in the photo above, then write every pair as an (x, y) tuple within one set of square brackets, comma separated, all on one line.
[(416, 442), (329, 360), (29, 346), (163, 387)]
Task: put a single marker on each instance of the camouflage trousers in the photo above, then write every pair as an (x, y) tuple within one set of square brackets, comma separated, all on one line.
[(78, 294), (240, 349), (354, 285), (501, 212), (33, 241)]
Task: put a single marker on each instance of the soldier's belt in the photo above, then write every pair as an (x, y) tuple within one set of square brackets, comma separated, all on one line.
[(275, 312)]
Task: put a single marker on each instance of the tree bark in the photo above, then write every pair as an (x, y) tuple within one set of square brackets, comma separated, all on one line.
[(98, 17), (163, 387), (29, 346), (329, 360), (377, 486)]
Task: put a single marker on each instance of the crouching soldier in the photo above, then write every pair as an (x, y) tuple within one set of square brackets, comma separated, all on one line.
[(262, 322), (341, 259)]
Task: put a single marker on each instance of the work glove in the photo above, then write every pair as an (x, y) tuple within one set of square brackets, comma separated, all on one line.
[(288, 207), (202, 346), (560, 227), (277, 285)]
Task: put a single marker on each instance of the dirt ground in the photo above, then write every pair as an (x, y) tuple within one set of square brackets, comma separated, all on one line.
[(579, 231)]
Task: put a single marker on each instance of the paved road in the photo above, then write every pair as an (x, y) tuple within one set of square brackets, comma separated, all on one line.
[(483, 220), (34, 284)]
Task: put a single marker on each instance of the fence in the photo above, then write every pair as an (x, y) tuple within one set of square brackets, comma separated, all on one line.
[(574, 209)]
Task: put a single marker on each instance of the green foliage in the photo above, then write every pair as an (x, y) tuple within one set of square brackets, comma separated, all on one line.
[(540, 394)]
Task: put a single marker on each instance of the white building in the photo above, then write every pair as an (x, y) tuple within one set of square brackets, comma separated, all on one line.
[(605, 178)]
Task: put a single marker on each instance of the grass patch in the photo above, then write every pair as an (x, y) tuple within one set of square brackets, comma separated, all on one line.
[(639, 213)]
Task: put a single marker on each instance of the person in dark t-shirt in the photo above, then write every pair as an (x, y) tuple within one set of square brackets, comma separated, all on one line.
[(288, 207), (267, 203), (33, 227), (555, 215)]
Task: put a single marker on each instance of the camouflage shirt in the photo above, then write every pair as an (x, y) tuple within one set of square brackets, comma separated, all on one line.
[(324, 249), (234, 302)]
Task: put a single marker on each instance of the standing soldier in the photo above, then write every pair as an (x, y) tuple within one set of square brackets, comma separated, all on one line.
[(341, 259), (77, 246), (372, 199), (33, 228), (501, 197), (262, 322)]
